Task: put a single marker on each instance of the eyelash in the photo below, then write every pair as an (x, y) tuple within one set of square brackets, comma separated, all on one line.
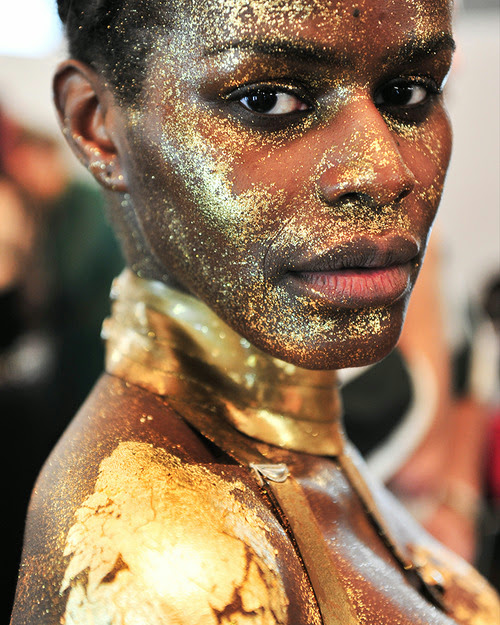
[(409, 113), (250, 90)]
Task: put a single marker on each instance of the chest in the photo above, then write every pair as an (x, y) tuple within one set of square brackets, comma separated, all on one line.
[(350, 569)]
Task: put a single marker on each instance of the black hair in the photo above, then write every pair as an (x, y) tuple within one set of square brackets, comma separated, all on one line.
[(114, 37)]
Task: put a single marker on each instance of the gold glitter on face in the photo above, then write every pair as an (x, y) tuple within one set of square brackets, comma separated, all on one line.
[(302, 224)]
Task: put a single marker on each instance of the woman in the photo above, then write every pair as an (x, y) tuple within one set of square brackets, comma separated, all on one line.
[(273, 169)]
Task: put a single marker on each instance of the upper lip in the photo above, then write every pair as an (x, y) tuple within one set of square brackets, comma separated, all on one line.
[(362, 252)]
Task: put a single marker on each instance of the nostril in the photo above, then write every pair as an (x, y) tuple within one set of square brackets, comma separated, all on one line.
[(403, 194)]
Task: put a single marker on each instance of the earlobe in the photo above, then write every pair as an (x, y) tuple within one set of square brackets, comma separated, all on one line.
[(85, 112)]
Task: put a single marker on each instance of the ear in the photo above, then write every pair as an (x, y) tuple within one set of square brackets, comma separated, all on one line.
[(87, 115)]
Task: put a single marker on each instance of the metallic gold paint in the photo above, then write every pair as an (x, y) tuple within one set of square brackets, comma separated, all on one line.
[(171, 344), (175, 345), (147, 558)]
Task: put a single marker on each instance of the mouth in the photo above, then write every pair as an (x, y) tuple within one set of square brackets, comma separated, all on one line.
[(359, 273)]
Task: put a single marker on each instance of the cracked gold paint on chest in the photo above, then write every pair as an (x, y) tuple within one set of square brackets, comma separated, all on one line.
[(160, 541)]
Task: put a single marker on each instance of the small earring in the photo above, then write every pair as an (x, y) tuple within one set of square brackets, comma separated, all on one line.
[(110, 168)]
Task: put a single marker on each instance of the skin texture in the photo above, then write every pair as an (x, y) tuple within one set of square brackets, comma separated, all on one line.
[(231, 204), (275, 222)]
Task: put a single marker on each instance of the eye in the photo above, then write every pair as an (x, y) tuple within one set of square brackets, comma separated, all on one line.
[(401, 93), (272, 101)]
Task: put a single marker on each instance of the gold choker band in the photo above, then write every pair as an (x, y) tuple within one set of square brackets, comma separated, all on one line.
[(172, 344)]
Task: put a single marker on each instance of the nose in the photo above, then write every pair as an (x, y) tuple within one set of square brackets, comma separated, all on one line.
[(364, 161)]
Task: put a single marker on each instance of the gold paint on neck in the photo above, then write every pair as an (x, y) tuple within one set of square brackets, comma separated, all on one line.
[(173, 344)]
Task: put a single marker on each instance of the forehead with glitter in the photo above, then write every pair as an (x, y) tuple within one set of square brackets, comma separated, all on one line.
[(239, 21)]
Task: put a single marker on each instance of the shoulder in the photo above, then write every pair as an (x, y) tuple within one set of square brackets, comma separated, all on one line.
[(180, 537), (465, 594), (132, 522)]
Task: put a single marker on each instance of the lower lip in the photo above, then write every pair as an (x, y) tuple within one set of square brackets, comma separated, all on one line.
[(354, 288)]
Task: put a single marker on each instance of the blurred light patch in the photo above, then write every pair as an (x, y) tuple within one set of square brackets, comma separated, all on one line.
[(29, 28)]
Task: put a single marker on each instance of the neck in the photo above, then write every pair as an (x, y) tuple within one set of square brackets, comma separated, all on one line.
[(173, 344)]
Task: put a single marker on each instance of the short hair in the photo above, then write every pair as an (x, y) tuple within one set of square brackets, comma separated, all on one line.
[(114, 37)]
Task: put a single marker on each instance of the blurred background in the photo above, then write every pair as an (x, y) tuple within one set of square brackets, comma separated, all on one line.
[(58, 257)]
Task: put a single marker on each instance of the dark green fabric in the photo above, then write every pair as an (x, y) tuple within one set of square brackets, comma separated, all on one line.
[(83, 257)]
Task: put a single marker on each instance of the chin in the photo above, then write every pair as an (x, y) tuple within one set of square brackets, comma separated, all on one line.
[(358, 338), (330, 359)]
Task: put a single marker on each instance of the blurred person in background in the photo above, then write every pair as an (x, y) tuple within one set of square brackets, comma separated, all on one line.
[(76, 258), (27, 356), (485, 379), (16, 233), (57, 259)]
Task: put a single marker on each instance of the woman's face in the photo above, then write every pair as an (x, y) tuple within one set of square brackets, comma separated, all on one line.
[(286, 162)]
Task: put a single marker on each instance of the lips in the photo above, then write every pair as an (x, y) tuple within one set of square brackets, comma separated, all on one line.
[(362, 272)]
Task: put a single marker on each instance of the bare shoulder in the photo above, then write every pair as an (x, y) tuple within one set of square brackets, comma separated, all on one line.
[(123, 528), (468, 597), (179, 536)]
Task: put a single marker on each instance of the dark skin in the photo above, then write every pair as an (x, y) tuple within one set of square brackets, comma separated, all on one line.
[(70, 477), (227, 200), (285, 167)]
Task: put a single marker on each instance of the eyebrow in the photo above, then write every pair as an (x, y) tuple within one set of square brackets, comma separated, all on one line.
[(297, 48), (416, 49), (412, 50)]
